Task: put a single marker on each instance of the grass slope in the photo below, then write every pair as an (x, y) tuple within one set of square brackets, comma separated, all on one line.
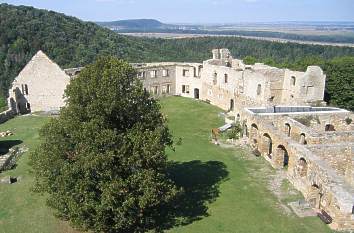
[(242, 202), (222, 192)]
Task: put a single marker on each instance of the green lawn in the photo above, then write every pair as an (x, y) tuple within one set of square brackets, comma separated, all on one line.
[(225, 190)]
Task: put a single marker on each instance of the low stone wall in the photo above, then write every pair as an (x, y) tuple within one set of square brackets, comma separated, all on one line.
[(7, 159), (6, 115)]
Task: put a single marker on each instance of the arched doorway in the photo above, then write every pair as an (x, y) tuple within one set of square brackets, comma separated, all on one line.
[(232, 105), (302, 167), (303, 139), (314, 196), (254, 131), (267, 145), (282, 156), (196, 93), (287, 129)]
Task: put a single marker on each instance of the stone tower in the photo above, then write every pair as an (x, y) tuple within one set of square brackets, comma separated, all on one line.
[(223, 54)]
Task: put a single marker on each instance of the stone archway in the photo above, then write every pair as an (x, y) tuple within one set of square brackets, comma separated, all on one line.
[(267, 145), (302, 167), (314, 196), (254, 131), (303, 139), (196, 93), (281, 156)]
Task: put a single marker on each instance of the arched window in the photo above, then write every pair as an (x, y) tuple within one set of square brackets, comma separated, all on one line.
[(287, 129), (215, 78), (293, 80), (226, 78), (259, 89), (267, 146), (302, 167), (303, 139)]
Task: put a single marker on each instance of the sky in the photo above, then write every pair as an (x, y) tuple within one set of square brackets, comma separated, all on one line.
[(200, 11)]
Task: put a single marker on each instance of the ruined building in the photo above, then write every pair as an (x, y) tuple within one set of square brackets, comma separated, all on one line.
[(315, 145)]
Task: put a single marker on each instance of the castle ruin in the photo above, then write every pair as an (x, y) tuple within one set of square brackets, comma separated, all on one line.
[(282, 113)]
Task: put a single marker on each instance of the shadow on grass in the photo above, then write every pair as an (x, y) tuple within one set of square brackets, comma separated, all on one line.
[(5, 146), (200, 183)]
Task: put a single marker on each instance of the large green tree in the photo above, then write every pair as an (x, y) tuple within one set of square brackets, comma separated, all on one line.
[(103, 161)]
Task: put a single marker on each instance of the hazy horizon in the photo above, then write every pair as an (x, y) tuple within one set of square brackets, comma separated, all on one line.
[(202, 11)]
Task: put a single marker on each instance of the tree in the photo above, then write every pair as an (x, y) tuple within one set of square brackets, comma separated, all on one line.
[(249, 60), (340, 82), (103, 161)]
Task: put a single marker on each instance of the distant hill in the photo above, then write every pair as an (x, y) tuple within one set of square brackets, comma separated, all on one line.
[(134, 24), (330, 32)]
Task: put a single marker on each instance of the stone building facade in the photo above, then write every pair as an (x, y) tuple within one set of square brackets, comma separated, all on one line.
[(39, 86), (315, 145)]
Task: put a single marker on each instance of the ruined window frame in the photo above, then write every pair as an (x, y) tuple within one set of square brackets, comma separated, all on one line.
[(293, 80), (165, 73), (259, 89), (153, 73), (226, 78), (185, 73)]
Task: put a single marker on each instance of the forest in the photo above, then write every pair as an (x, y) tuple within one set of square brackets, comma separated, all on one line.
[(71, 42)]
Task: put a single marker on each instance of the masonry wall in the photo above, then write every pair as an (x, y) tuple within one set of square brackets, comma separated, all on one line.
[(159, 80), (6, 115)]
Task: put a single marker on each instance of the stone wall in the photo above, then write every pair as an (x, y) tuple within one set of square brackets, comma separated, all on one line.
[(319, 171), (336, 155), (159, 80), (6, 115)]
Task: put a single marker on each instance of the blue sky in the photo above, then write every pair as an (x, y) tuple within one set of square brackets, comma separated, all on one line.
[(201, 11)]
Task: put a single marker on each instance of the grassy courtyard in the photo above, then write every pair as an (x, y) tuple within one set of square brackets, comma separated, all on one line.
[(225, 189)]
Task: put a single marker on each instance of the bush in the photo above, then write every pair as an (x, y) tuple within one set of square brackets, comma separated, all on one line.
[(235, 132)]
